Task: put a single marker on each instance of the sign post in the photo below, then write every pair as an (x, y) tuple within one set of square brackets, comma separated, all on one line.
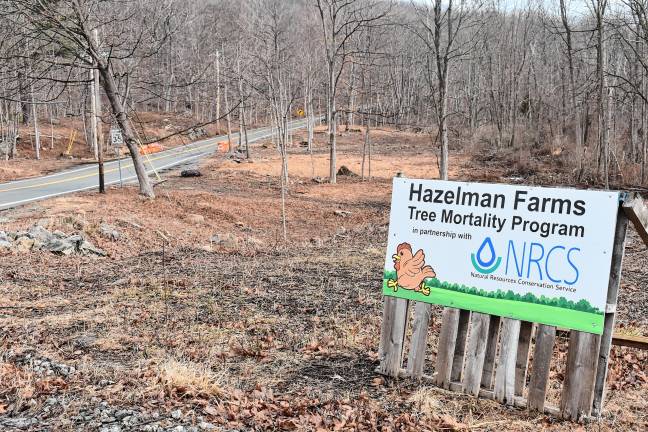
[(117, 141)]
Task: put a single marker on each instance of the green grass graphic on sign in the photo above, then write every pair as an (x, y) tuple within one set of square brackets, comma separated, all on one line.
[(556, 311)]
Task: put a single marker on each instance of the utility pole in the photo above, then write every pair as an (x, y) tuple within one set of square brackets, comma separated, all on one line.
[(93, 116), (36, 130), (96, 116), (218, 91)]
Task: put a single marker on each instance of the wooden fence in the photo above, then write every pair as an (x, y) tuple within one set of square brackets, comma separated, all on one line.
[(488, 356)]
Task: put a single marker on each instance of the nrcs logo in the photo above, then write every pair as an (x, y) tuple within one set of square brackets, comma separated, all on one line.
[(532, 260), (486, 266)]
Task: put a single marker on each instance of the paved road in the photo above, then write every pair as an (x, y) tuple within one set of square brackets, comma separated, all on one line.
[(21, 192)]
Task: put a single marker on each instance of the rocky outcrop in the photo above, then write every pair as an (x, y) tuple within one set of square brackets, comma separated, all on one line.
[(39, 238)]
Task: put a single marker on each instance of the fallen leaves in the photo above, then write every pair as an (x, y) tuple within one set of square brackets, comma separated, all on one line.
[(260, 409)]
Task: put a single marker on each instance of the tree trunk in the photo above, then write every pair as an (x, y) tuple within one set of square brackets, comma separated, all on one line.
[(603, 95), (36, 129), (24, 106), (443, 129), (332, 129), (228, 120), (110, 87)]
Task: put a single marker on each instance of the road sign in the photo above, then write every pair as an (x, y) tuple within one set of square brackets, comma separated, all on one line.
[(116, 138)]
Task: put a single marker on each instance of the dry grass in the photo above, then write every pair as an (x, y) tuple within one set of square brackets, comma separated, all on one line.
[(185, 378)]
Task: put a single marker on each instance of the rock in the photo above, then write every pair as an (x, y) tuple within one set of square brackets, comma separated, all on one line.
[(37, 232), (195, 218), (87, 248), (130, 420), (59, 234), (345, 171), (4, 240), (342, 213), (18, 422), (205, 426), (60, 246), (177, 414), (75, 239), (227, 240), (109, 232), (38, 238), (23, 244), (108, 419), (190, 173), (111, 428)]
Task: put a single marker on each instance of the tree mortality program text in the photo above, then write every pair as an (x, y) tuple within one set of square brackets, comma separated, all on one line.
[(487, 219)]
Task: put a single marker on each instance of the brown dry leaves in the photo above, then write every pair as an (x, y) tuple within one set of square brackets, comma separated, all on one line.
[(261, 410)]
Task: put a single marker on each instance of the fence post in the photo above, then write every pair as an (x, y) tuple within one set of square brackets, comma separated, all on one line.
[(610, 312), (392, 336)]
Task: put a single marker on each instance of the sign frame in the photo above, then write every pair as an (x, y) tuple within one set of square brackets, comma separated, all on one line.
[(492, 362)]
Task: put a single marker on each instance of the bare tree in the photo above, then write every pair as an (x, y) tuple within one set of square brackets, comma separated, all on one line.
[(439, 27), (62, 34), (340, 21)]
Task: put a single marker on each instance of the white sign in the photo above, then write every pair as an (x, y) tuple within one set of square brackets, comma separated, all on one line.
[(116, 137), (530, 253)]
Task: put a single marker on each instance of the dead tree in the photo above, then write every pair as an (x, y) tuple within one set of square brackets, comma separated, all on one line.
[(340, 20)]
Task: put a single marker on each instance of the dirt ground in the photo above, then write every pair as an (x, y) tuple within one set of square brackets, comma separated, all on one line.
[(201, 316), (63, 142)]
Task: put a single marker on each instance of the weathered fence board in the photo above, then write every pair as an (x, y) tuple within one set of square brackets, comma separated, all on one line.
[(580, 375), (446, 349), (460, 345), (491, 351), (418, 344), (637, 211), (476, 352), (545, 338), (392, 339), (505, 372), (522, 358), (608, 329)]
